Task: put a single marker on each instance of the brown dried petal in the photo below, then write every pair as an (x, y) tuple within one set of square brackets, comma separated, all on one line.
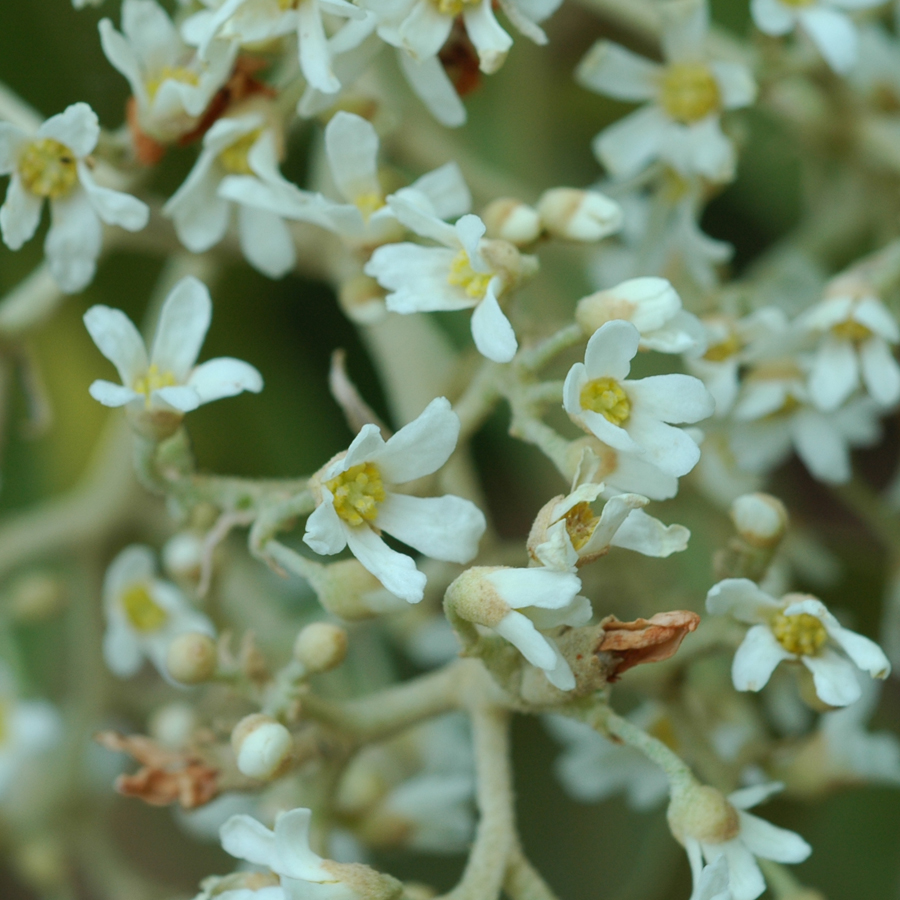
[(646, 640)]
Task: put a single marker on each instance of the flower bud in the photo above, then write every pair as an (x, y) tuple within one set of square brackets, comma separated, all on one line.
[(262, 746), (182, 555), (760, 519), (648, 303), (473, 598), (701, 812), (351, 592), (579, 215), (321, 647), (512, 220), (192, 657), (36, 598), (173, 725)]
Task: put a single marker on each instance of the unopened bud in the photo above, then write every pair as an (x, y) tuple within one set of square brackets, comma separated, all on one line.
[(647, 302), (473, 598), (506, 260), (36, 597), (261, 746), (182, 555), (579, 215), (173, 725), (701, 812), (760, 519), (321, 647), (192, 657), (512, 220)]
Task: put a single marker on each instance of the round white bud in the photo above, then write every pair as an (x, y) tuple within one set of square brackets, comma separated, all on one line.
[(760, 519), (182, 555), (321, 647), (702, 813), (512, 220), (192, 657), (262, 746), (579, 215)]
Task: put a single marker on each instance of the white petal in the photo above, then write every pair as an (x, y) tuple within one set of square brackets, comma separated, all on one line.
[(73, 241), (422, 223), (121, 652), (182, 328), (561, 676), (325, 534), (540, 587), (646, 535), (488, 38), (756, 659), (136, 562), (199, 214), (615, 512), (266, 241), (616, 72), (769, 842), (431, 85), (315, 57), (110, 394), (834, 34), (396, 571), (743, 599), (417, 277), (422, 446), (867, 655), (446, 190), (835, 373), (114, 207), (469, 232), (872, 313), (880, 371), (77, 127), (20, 214), (747, 798), (610, 350), (671, 398), (424, 31), (700, 149), (771, 16), (626, 147), (821, 447), (736, 85), (352, 148), (245, 838), (151, 33), (179, 397), (667, 447), (295, 858), (447, 528), (834, 678), (224, 377), (493, 335), (744, 877), (521, 633), (12, 140)]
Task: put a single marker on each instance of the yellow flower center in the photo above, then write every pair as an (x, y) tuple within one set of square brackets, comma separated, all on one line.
[(463, 275), (144, 613), (851, 331), (152, 380), (170, 73), (607, 397), (689, 92), (801, 634), (368, 203), (724, 349), (580, 524), (453, 7), (357, 493), (234, 158), (47, 168)]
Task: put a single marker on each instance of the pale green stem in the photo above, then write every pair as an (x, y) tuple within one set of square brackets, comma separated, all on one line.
[(479, 399), (535, 358), (547, 392)]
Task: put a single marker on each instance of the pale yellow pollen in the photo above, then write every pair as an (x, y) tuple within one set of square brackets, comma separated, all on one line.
[(170, 73), (144, 613), (453, 7), (357, 493), (607, 397), (234, 158), (580, 524), (152, 380), (48, 168), (801, 634), (689, 92), (287, 4), (724, 349), (463, 275), (851, 331), (368, 203)]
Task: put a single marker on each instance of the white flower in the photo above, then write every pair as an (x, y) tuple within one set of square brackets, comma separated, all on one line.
[(598, 463), (54, 163), (466, 272), (753, 837), (774, 414), (653, 306), (171, 86), (167, 383), (831, 30), (355, 506), (201, 214), (592, 768), (713, 882), (856, 334), (143, 613), (252, 21), (633, 416), (687, 94), (799, 628)]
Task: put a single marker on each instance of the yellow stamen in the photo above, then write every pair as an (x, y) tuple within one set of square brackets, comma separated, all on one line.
[(48, 168), (607, 397), (357, 493), (170, 73), (369, 203), (801, 634), (152, 380), (462, 274), (580, 524), (144, 613), (453, 7), (724, 349), (234, 158), (851, 331), (689, 92)]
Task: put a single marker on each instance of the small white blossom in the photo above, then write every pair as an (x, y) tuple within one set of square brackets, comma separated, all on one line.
[(166, 383), (467, 271), (598, 463), (355, 504), (634, 416), (829, 28), (686, 95), (798, 628), (856, 334), (143, 613), (54, 163), (171, 86)]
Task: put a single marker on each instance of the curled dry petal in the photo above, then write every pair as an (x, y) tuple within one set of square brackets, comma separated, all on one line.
[(646, 640), (165, 776)]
